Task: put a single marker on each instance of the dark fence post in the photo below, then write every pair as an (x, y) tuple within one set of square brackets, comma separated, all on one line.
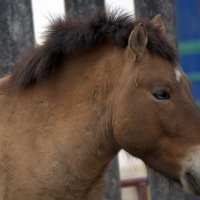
[(113, 190), (79, 9), (16, 31), (161, 189), (149, 8)]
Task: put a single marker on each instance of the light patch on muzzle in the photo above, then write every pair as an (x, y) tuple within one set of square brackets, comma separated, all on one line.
[(190, 174)]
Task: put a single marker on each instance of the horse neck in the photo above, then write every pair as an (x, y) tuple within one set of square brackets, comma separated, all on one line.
[(86, 84), (78, 96)]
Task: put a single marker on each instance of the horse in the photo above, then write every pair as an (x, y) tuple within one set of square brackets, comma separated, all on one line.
[(94, 87)]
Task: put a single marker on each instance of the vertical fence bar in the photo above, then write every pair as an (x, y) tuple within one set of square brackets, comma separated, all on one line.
[(149, 8), (16, 31), (113, 190), (78, 8)]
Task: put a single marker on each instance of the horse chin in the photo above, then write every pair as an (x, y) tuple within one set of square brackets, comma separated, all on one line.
[(190, 175), (191, 183), (188, 181)]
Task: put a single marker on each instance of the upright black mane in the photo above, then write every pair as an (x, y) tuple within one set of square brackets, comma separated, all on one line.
[(67, 38)]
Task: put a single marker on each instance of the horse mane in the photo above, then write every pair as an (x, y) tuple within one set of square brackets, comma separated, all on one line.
[(66, 38)]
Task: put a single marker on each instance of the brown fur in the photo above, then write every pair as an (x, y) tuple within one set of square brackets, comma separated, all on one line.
[(58, 137)]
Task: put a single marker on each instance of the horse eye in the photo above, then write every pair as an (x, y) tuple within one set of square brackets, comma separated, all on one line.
[(161, 95)]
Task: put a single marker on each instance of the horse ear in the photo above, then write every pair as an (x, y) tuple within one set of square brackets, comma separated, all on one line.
[(138, 40), (158, 22)]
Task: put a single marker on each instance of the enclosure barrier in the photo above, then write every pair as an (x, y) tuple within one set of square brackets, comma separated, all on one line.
[(195, 77), (140, 183)]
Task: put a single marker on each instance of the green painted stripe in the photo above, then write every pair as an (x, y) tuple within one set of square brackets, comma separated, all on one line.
[(194, 76), (198, 103), (189, 47)]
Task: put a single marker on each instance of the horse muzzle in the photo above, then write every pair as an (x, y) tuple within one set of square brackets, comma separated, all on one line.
[(190, 175), (192, 181)]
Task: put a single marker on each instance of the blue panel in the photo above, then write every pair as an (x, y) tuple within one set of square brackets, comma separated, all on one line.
[(188, 25), (188, 17), (196, 90), (190, 63)]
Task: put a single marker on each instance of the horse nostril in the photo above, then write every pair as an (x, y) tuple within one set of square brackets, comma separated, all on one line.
[(193, 180), (188, 174)]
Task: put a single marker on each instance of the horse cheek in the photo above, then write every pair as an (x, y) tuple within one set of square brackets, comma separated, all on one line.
[(135, 131)]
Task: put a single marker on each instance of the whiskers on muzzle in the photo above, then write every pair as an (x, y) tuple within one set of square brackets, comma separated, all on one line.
[(193, 181), (163, 181)]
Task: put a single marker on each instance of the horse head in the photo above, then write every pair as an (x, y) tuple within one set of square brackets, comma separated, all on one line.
[(156, 118)]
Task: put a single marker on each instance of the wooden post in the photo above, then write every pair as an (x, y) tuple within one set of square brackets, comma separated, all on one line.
[(161, 189), (80, 9), (113, 190), (149, 8), (16, 31)]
